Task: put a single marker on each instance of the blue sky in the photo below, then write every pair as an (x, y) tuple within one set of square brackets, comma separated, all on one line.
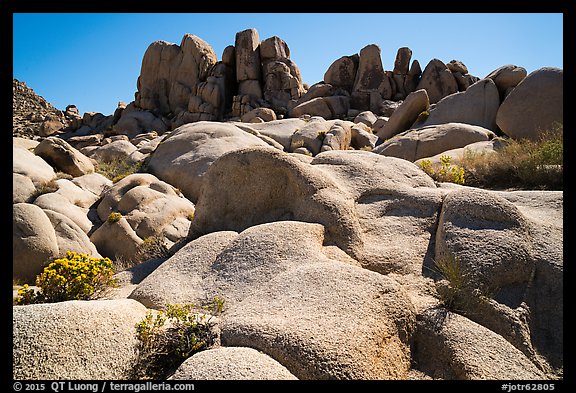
[(92, 60)]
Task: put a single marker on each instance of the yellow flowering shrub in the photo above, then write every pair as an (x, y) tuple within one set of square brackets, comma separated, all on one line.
[(447, 172), (114, 217), (77, 276)]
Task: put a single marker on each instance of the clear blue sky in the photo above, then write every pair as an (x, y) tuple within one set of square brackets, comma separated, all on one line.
[(93, 60)]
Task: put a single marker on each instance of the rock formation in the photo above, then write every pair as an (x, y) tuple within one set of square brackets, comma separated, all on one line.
[(305, 212), (180, 84), (33, 115), (235, 363), (475, 106), (534, 105), (170, 72), (45, 330)]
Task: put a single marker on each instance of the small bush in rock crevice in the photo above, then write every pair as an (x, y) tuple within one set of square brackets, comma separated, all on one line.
[(114, 217), (170, 337), (458, 292), (452, 272), (119, 168), (153, 247)]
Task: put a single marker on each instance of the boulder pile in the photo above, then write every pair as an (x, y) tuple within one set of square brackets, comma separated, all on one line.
[(336, 255), (32, 115)]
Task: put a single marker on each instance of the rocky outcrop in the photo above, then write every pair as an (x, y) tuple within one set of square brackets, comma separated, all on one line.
[(534, 106), (265, 74), (187, 84), (371, 84), (170, 72), (32, 115), (185, 155), (33, 241), (151, 207), (333, 262), (405, 115), (231, 363), (225, 271), (281, 76), (58, 153), (437, 80), (276, 234), (427, 141), (362, 78), (477, 106), (506, 78), (42, 331)]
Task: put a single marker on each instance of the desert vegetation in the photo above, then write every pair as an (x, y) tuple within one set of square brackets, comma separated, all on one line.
[(169, 337), (118, 168), (521, 164), (77, 276)]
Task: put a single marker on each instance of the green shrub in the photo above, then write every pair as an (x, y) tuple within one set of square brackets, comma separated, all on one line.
[(457, 291), (114, 217), (118, 169), (74, 277), (152, 247), (422, 116), (446, 173), (520, 164), (452, 271), (45, 188), (168, 338)]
